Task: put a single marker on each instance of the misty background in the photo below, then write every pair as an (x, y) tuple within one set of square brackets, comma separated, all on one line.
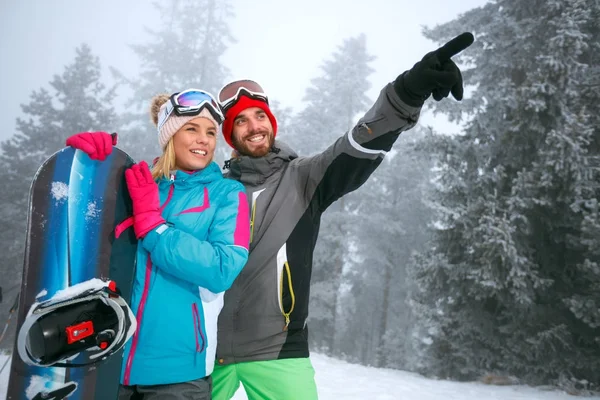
[(473, 251)]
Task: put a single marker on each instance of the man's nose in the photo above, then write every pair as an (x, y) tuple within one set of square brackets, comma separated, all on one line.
[(253, 124)]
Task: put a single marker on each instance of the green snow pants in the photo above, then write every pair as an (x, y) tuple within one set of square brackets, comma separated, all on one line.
[(286, 379)]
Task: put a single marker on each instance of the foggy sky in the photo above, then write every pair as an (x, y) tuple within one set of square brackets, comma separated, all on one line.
[(279, 44)]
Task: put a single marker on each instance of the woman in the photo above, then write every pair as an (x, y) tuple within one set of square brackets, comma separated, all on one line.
[(193, 231)]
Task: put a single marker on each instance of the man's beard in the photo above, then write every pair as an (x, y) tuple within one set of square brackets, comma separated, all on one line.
[(242, 147)]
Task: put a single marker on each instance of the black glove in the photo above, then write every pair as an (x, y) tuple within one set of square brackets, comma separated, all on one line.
[(435, 74)]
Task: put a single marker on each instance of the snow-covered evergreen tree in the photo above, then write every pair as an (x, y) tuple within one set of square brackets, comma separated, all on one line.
[(390, 225), (510, 284)]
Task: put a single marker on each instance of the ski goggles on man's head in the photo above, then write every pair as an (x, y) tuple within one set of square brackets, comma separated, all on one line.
[(231, 93), (188, 103)]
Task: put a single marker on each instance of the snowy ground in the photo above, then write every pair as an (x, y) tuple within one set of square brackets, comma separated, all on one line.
[(339, 380)]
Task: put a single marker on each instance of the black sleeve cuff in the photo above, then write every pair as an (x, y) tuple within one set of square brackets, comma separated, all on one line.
[(405, 95)]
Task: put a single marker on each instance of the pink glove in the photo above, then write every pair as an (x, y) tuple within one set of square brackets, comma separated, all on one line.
[(97, 145), (144, 195)]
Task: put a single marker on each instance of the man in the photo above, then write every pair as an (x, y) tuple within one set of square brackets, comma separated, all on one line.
[(263, 335)]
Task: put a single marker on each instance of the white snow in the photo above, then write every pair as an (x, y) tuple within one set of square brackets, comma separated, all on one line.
[(340, 380), (92, 211), (4, 358), (77, 289), (60, 190), (38, 384)]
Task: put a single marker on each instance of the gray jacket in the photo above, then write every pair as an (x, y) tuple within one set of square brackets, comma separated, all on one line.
[(265, 311)]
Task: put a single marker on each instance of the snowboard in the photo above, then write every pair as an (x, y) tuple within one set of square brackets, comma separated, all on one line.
[(75, 203)]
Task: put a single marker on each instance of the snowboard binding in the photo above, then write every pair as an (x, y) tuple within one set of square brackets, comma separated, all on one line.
[(90, 316)]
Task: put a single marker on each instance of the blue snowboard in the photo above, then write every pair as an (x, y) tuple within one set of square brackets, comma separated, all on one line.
[(74, 206)]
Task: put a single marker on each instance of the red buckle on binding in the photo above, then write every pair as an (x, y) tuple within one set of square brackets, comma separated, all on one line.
[(78, 332)]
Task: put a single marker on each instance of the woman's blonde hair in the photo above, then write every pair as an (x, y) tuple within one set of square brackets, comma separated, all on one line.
[(166, 162)]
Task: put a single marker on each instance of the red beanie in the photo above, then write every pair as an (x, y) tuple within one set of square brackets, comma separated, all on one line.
[(243, 103)]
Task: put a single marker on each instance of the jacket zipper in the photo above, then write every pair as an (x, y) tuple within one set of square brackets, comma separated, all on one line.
[(140, 313), (142, 306), (288, 313), (198, 328)]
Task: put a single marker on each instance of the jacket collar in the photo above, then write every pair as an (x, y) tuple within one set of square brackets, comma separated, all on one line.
[(182, 179), (255, 171)]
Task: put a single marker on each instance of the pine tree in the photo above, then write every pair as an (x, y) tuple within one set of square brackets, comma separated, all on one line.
[(511, 282), (183, 52), (391, 225), (335, 101), (76, 102)]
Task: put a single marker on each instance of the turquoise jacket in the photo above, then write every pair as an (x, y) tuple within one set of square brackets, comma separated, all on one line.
[(183, 268)]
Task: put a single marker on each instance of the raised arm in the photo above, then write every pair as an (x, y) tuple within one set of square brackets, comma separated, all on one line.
[(348, 163)]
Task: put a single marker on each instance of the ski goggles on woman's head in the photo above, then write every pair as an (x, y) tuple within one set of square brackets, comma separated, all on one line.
[(231, 93), (188, 103)]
